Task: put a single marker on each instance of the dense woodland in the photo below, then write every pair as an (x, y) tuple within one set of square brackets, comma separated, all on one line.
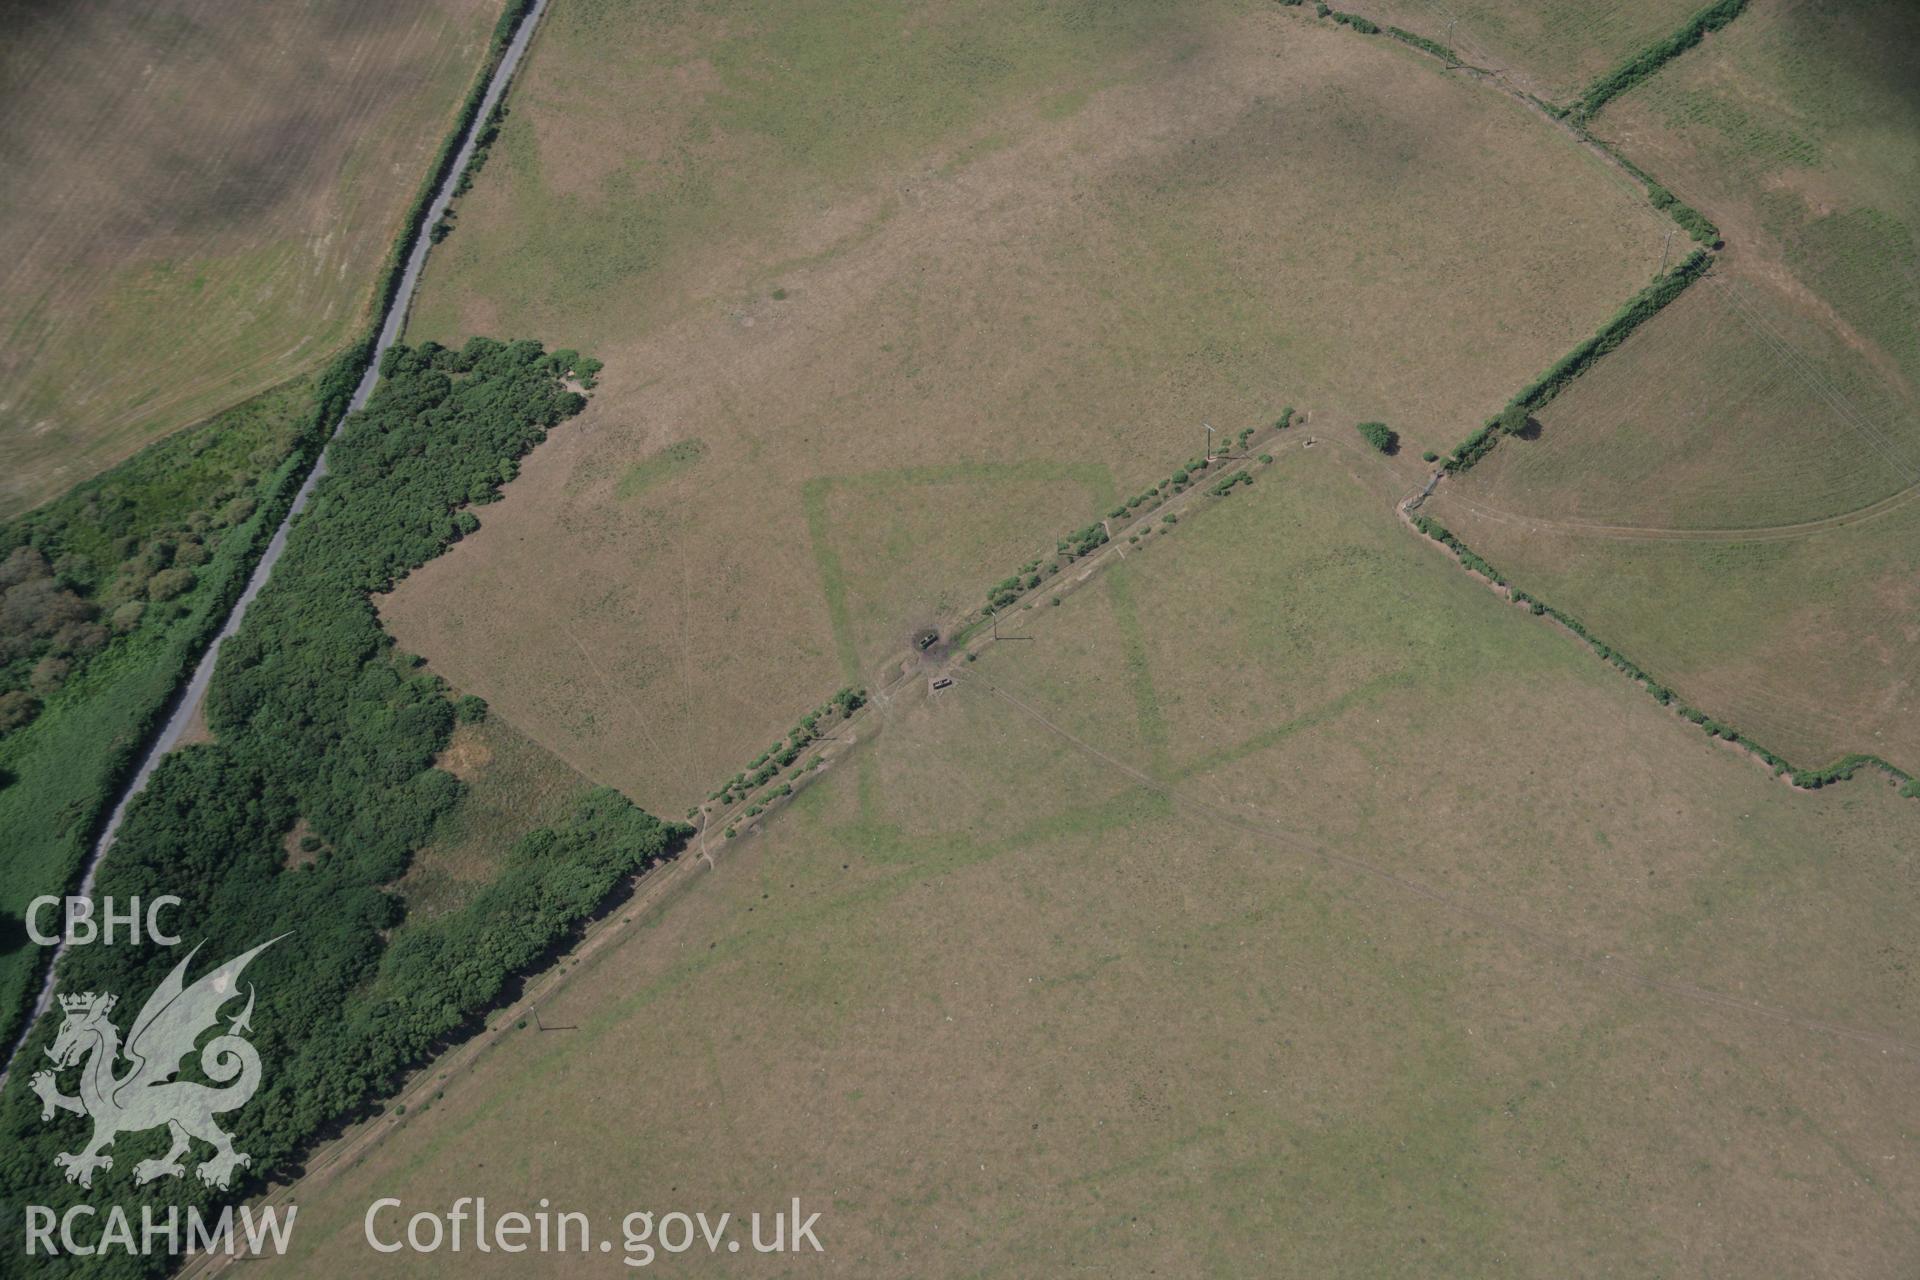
[(317, 718), (111, 594)]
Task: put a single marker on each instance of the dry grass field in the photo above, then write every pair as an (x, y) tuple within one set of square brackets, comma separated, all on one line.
[(1797, 129), (1780, 398), (198, 197), (1809, 643), (1550, 48), (1731, 409), (883, 300), (1286, 905)]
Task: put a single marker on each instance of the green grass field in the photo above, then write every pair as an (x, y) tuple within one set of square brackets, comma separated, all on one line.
[(1797, 129), (1804, 642), (1728, 410), (1355, 981)]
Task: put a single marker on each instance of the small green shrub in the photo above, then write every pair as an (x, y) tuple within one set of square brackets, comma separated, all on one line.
[(1379, 436)]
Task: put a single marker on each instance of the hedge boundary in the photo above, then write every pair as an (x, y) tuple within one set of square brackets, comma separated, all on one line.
[(1840, 770), (1536, 395), (1689, 219), (1655, 56)]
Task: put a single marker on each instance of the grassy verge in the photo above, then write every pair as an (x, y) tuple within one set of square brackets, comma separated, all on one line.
[(222, 490)]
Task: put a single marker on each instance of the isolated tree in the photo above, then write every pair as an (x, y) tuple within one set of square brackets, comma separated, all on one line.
[(1379, 436)]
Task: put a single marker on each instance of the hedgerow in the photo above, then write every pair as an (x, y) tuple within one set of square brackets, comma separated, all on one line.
[(483, 142), (1467, 556), (767, 765), (1225, 485), (1425, 45), (1639, 309), (1643, 306), (1840, 771), (1651, 59), (1695, 223)]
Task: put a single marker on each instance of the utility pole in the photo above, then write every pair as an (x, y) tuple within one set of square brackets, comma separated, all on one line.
[(1209, 441), (1663, 250)]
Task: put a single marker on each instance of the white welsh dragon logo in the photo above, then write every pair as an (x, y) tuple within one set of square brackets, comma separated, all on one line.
[(145, 1095)]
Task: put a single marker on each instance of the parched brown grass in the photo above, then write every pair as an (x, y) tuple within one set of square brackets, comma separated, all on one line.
[(1431, 947), (1775, 401), (1808, 643), (1551, 48), (1797, 129), (1038, 242), (198, 197), (1732, 409)]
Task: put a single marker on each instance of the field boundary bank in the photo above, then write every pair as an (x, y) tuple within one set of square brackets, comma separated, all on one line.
[(1841, 770), (344, 382), (639, 893), (761, 791), (1515, 418), (1651, 59), (1700, 228)]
